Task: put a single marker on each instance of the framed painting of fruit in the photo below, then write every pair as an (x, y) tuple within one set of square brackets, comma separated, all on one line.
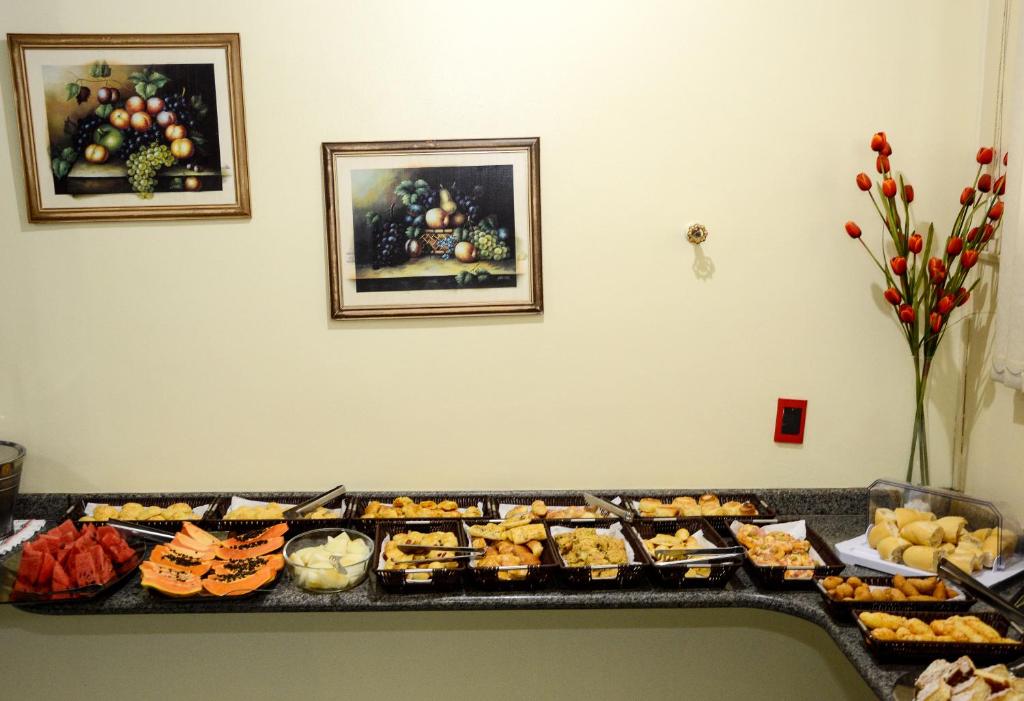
[(146, 126), (433, 228)]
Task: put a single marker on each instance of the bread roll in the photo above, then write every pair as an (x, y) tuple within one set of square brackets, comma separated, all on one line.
[(982, 533), (891, 549), (953, 528), (967, 560), (907, 516), (923, 533), (922, 557), (883, 515), (881, 531), (990, 548), (947, 549)]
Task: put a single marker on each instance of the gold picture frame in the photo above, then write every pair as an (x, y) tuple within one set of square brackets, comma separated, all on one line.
[(78, 143), (433, 228)]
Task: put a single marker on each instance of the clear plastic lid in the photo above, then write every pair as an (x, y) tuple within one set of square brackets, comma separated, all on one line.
[(993, 524)]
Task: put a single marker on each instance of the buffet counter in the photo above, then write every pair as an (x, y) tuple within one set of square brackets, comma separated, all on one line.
[(836, 514)]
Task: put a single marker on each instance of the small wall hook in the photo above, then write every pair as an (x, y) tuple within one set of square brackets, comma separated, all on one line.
[(696, 233)]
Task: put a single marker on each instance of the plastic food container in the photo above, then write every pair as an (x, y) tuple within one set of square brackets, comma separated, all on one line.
[(327, 577)]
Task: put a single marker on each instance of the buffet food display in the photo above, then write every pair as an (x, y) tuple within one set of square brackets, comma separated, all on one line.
[(328, 559), (133, 511), (688, 506), (408, 508), (960, 679), (919, 635)]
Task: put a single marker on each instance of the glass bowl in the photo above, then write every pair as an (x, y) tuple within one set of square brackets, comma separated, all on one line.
[(323, 577)]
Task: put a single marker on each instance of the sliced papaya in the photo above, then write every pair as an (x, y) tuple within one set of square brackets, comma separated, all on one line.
[(238, 583), (274, 561), (252, 548), (275, 531), (169, 580), (187, 542), (198, 534), (194, 561)]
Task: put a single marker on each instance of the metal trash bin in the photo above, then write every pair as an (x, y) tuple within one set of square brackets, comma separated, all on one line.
[(12, 456)]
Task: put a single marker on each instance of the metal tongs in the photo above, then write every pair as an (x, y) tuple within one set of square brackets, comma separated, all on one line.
[(460, 552), (300, 510), (1015, 615), (607, 506), (719, 557), (153, 535)]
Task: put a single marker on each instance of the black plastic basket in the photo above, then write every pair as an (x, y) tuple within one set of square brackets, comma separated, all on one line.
[(765, 514), (295, 525), (844, 609), (369, 525), (774, 576), (903, 651), (440, 579), (628, 575), (673, 574), (555, 503), (537, 576), (76, 507)]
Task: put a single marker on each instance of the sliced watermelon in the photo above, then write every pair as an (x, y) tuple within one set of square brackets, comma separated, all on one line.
[(67, 532), (45, 574), (104, 566), (61, 581), (84, 571), (31, 564)]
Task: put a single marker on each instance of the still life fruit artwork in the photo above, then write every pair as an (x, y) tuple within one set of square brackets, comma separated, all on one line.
[(141, 129), (434, 228), (131, 126)]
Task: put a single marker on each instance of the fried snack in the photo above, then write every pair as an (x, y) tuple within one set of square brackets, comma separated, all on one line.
[(133, 511), (506, 554), (395, 559), (585, 547), (681, 540), (686, 506), (272, 511), (777, 548), (538, 510), (952, 629), (405, 507), (902, 589)]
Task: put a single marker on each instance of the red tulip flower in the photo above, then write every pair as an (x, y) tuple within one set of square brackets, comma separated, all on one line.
[(906, 314), (1004, 158), (863, 181), (882, 164), (935, 321), (889, 188), (887, 149), (972, 234), (989, 233), (969, 259), (996, 211), (908, 193), (985, 183), (962, 295), (967, 196), (985, 155), (878, 142), (946, 304), (898, 265), (853, 230), (999, 187), (936, 270), (954, 246), (915, 243), (892, 296)]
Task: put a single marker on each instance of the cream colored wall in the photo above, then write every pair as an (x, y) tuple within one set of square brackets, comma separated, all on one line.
[(200, 355)]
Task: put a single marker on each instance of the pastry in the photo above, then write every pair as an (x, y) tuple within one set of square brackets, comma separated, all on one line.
[(405, 507), (958, 629), (681, 540), (586, 547), (133, 511), (902, 589), (777, 549), (272, 511), (688, 507), (506, 554), (395, 559)]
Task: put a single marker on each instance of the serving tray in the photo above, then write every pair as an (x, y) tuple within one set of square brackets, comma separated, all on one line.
[(903, 651), (843, 609), (673, 574)]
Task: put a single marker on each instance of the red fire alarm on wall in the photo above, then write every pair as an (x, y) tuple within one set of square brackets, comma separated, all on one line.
[(789, 420)]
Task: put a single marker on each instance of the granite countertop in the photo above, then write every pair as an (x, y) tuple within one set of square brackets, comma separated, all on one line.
[(836, 514)]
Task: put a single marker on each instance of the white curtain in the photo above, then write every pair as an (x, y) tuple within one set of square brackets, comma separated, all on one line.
[(1008, 345)]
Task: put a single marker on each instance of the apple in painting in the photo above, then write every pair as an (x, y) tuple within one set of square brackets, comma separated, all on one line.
[(182, 148), (175, 132), (154, 106), (141, 121), (120, 118), (134, 104), (96, 153)]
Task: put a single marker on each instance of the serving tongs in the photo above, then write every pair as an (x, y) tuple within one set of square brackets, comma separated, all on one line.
[(459, 552), (607, 506), (720, 557), (153, 535), (300, 510), (1012, 613)]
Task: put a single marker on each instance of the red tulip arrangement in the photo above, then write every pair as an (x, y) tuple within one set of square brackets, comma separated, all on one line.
[(925, 287)]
